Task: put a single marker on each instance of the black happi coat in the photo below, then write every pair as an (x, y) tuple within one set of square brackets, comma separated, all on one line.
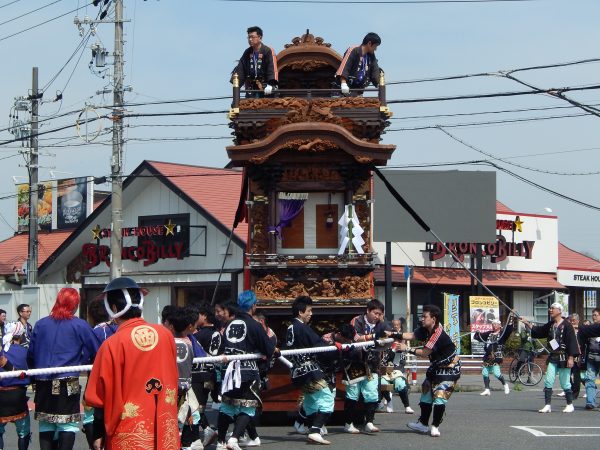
[(371, 355), (564, 335), (354, 71), (306, 366), (493, 344), (261, 67), (443, 354), (210, 340), (245, 335)]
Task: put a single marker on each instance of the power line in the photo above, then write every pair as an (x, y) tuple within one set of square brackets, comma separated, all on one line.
[(497, 72), (489, 122), (186, 113), (81, 44), (543, 188), (41, 133), (44, 23), (380, 2), (187, 138), (166, 125), (559, 93), (30, 12), (483, 113), (185, 100), (10, 3), (533, 169), (496, 94)]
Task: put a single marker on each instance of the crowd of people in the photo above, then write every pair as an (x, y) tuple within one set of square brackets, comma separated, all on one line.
[(131, 402)]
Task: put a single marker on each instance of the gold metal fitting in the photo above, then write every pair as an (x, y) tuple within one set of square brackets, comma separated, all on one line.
[(235, 80), (233, 112), (261, 198), (386, 110)]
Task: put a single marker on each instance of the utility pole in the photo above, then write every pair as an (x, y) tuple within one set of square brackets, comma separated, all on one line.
[(32, 260), (116, 240)]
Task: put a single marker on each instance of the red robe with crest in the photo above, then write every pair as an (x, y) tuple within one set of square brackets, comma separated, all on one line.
[(134, 378)]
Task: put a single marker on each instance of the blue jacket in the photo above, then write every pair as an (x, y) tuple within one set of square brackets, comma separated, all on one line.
[(59, 343), (17, 358), (105, 330)]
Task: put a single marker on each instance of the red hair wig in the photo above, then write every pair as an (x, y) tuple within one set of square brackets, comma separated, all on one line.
[(66, 304)]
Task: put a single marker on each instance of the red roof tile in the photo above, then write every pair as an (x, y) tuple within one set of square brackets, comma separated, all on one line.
[(501, 208), (13, 251), (499, 278), (571, 260), (215, 190)]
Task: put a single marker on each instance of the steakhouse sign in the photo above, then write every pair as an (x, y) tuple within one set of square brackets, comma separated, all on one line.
[(498, 251), (147, 250)]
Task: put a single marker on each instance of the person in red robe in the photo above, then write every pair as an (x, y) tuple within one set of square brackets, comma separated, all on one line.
[(134, 377)]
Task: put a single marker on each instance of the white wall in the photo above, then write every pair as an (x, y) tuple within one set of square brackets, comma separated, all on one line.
[(40, 297), (542, 230)]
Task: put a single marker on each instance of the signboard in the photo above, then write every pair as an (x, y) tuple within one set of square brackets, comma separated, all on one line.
[(452, 319), (580, 278), (483, 309), (44, 206), (498, 251), (74, 202), (158, 237), (460, 206), (62, 204)]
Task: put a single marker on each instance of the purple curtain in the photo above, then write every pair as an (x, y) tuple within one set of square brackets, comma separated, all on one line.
[(288, 210)]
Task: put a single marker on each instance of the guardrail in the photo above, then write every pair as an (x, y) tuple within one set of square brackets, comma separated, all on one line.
[(468, 362)]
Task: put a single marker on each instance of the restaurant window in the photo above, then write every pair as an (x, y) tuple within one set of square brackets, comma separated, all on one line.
[(540, 307), (201, 294), (589, 303)]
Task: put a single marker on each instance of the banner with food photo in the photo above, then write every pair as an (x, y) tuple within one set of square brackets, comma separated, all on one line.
[(44, 206), (72, 202)]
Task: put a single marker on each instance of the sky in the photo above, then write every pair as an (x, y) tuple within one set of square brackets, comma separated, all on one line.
[(185, 49)]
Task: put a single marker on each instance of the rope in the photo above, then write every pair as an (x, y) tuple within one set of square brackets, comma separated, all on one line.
[(205, 359)]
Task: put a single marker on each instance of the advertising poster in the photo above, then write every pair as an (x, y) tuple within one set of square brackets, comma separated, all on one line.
[(44, 206), (452, 319), (483, 309), (72, 202)]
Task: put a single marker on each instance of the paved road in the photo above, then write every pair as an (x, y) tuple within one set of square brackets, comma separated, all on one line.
[(472, 422)]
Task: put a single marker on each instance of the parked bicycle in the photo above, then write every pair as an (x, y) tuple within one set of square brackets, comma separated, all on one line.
[(524, 369)]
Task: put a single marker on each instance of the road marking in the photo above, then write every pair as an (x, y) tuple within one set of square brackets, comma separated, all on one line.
[(538, 433)]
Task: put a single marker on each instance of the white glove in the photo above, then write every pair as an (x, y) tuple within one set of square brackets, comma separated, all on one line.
[(268, 89), (345, 89)]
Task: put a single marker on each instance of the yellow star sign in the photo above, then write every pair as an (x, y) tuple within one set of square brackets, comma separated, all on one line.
[(170, 227), (518, 224), (96, 232)]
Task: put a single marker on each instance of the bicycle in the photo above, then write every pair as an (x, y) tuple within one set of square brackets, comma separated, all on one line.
[(525, 359), (530, 374)]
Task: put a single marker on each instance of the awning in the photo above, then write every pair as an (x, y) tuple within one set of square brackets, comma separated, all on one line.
[(459, 277)]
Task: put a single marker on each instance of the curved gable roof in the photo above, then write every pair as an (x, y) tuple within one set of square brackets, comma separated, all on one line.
[(215, 191)]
